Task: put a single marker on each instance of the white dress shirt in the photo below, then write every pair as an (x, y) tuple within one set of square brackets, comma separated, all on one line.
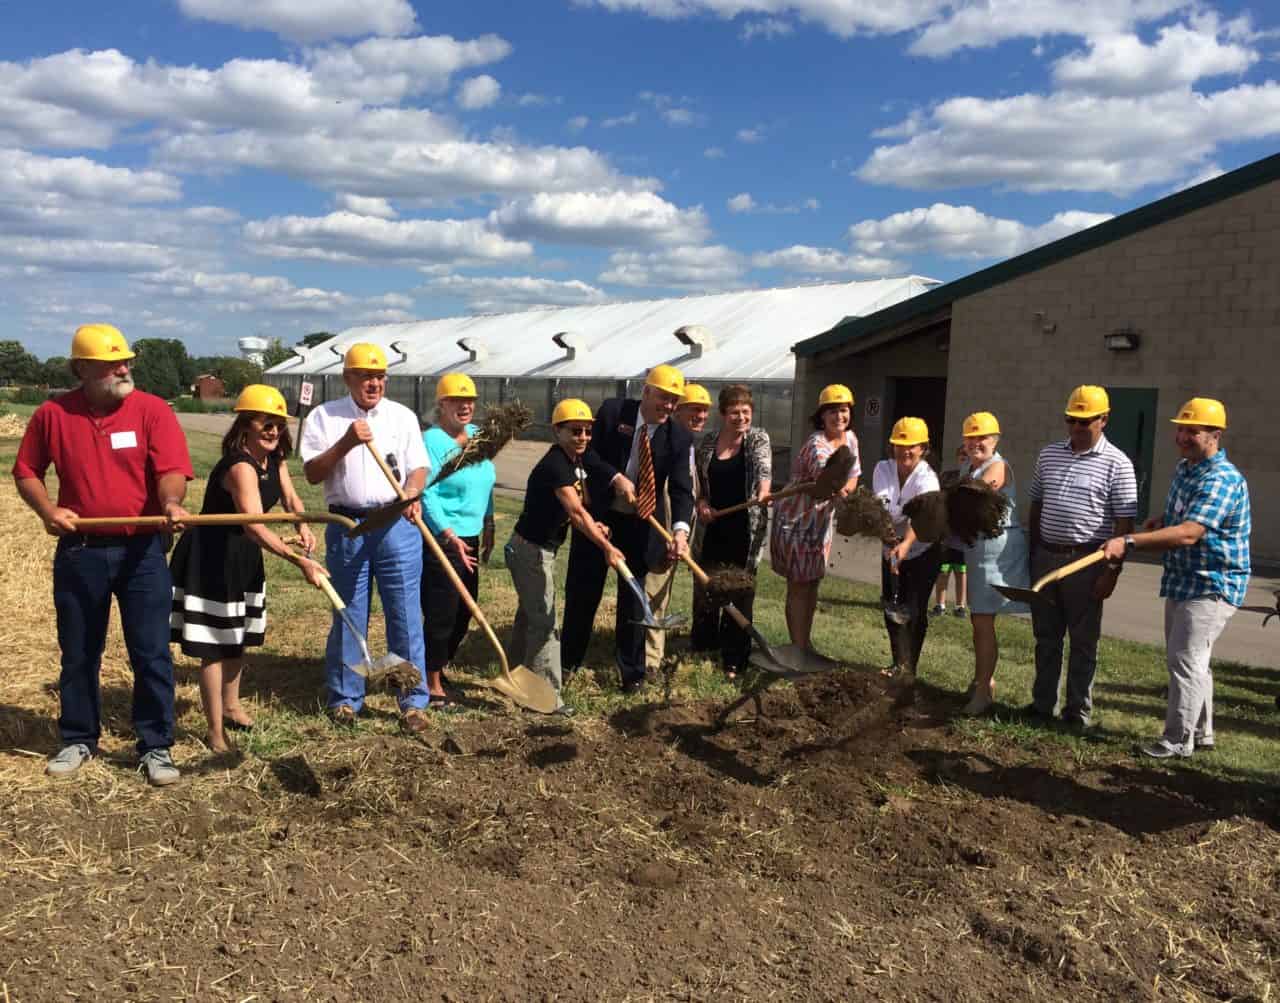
[(885, 486), (357, 482), (633, 463)]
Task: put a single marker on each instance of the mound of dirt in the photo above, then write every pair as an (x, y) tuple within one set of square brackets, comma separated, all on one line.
[(845, 845)]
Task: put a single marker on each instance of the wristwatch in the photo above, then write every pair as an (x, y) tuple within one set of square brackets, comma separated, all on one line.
[(1130, 543)]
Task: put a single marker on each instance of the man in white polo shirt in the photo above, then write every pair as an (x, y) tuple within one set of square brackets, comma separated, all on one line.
[(333, 451), (1083, 493)]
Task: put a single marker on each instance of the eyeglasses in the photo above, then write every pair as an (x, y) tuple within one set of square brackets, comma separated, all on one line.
[(580, 433), (394, 464), (1081, 421), (268, 423)]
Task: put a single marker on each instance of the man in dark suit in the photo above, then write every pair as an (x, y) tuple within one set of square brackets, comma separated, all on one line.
[(616, 437)]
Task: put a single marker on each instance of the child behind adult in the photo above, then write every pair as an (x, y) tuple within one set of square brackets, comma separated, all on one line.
[(952, 563)]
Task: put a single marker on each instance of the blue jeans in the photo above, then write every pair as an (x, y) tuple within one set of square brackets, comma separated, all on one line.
[(84, 580), (393, 558)]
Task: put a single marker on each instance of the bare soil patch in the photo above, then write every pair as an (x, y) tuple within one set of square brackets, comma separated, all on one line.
[(850, 844)]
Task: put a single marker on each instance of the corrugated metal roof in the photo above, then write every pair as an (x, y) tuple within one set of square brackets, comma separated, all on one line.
[(752, 334)]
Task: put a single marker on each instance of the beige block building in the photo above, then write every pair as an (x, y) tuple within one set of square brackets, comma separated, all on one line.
[(1176, 299)]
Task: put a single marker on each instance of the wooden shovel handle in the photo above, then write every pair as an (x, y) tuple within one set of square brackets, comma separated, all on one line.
[(702, 577), (1069, 569), (794, 489), (218, 519), (447, 565), (327, 588)]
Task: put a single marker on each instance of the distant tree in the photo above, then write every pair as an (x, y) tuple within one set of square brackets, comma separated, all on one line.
[(54, 372), (276, 353), (315, 338), (162, 366), (17, 365), (236, 374)]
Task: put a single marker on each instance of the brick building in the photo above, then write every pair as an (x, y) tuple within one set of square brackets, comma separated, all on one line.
[(1176, 299)]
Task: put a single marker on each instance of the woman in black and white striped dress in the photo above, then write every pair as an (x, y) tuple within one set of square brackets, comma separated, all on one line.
[(219, 584)]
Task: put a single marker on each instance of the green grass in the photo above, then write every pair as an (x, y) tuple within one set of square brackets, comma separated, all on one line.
[(1128, 695)]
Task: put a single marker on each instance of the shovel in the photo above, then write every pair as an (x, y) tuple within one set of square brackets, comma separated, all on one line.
[(895, 609), (384, 666), (766, 656), (649, 620), (838, 467), (219, 519), (1034, 594), (522, 686)]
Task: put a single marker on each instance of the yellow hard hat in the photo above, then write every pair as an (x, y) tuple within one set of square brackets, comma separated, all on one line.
[(365, 356), (667, 378), (696, 393), (980, 423), (1088, 402), (836, 393), (455, 385), (909, 432), (571, 409), (1202, 411), (260, 397), (101, 343)]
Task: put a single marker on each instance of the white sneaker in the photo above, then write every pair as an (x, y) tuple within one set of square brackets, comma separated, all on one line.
[(159, 768), (68, 760), (1160, 749)]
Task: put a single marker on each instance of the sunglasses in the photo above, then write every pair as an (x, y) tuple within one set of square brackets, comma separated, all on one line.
[(1081, 421), (268, 423), (580, 433)]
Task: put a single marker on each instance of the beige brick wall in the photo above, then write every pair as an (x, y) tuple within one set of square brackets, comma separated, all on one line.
[(1203, 290)]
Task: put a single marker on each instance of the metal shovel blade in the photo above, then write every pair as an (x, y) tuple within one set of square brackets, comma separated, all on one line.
[(649, 620), (897, 612), (1016, 594), (380, 518), (394, 671), (527, 689), (787, 659)]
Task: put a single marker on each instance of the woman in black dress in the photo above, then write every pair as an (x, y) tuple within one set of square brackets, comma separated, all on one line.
[(734, 466), (219, 586)]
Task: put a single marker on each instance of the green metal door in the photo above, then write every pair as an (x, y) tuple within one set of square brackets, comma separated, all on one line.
[(1132, 427)]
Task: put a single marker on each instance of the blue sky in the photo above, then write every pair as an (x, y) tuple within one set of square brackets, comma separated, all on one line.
[(207, 169)]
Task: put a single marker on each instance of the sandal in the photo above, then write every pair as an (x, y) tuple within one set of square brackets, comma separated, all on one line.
[(234, 725)]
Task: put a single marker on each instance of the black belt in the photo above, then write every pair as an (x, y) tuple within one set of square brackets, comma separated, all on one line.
[(351, 513), (1070, 548), (99, 540)]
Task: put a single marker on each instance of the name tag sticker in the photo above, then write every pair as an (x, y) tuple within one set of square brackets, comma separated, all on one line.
[(124, 440), (1080, 482)]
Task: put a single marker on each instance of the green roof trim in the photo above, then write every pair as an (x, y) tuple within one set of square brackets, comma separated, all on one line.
[(1236, 182)]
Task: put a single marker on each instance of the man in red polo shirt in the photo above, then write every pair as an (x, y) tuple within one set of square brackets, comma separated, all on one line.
[(117, 452)]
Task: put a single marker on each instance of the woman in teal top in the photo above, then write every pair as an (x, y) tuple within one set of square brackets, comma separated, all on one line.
[(459, 511)]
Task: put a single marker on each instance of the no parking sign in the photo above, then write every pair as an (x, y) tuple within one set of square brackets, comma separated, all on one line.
[(304, 394)]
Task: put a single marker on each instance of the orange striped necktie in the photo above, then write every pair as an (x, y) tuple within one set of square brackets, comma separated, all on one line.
[(646, 482)]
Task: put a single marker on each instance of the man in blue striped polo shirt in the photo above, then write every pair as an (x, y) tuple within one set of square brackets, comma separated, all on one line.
[(1204, 533), (1083, 491)]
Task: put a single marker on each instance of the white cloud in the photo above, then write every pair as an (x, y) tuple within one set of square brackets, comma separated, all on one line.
[(390, 162), (700, 268), (681, 116), (215, 214), (602, 219), (630, 118), (81, 255), (752, 135), (479, 92), (714, 153), (1074, 141), (985, 24), (673, 110), (844, 18), (577, 123), (768, 28), (961, 232), (345, 236), (242, 292), (746, 203), (532, 100), (1181, 55), (382, 70), (30, 177), (308, 21), (824, 261), (363, 205), (509, 293)]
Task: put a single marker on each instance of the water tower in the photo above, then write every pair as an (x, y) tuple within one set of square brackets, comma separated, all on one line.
[(252, 349)]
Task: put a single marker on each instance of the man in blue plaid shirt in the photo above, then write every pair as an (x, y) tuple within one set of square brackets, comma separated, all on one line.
[(1205, 534)]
